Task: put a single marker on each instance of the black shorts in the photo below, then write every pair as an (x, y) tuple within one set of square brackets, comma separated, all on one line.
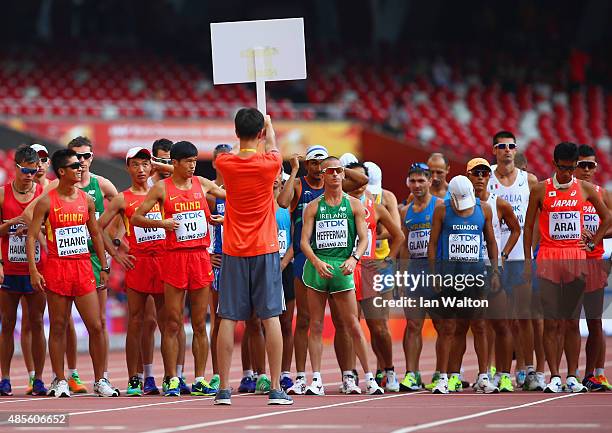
[(288, 279), (250, 284)]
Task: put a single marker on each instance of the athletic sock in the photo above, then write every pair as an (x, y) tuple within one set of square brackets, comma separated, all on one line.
[(179, 370), (140, 376), (599, 372), (32, 374), (148, 370), (105, 375), (577, 373), (247, 373)]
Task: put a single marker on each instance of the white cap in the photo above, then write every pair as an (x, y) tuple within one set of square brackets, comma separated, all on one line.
[(348, 158), (40, 148), (316, 152), (374, 177), (462, 192), (131, 153)]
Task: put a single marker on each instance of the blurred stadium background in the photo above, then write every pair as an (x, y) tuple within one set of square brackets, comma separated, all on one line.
[(389, 80)]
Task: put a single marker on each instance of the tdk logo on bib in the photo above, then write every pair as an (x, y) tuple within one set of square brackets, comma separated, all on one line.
[(465, 238), (64, 231)]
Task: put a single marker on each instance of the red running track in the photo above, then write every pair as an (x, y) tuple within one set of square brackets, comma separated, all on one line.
[(397, 413)]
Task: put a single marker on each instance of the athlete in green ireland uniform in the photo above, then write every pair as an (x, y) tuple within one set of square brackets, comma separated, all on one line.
[(332, 222)]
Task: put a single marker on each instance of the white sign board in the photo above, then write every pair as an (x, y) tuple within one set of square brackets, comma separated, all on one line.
[(258, 51)]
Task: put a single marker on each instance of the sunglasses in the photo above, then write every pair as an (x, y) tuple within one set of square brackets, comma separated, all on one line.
[(565, 167), (74, 166), (162, 160), (418, 166), (84, 155), (591, 165), (25, 170), (336, 170), (502, 146), (481, 172), (44, 159)]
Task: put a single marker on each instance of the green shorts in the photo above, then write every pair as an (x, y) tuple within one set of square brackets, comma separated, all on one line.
[(337, 283), (97, 266)]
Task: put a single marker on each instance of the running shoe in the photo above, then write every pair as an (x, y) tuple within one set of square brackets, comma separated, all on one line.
[(349, 386), (505, 384), (134, 388), (5, 388), (165, 384), (38, 388), (75, 384), (434, 382), (30, 385), (573, 385), (316, 388), (247, 384), (185, 390), (224, 396), (104, 388), (372, 388), (379, 377), (520, 377), (541, 381), (496, 379), (202, 387), (150, 388), (604, 381), (262, 385), (554, 386), (356, 376), (299, 386), (279, 397), (286, 383), (409, 383), (392, 384), (215, 381), (62, 389), (592, 384), (533, 382), (419, 381), (492, 372), (485, 386), (441, 386), (454, 383), (173, 387)]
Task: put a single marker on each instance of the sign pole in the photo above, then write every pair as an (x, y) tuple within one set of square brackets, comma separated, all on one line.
[(260, 81)]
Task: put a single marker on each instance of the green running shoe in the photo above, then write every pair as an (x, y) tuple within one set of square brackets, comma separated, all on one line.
[(379, 377), (173, 388), (454, 383), (263, 384), (434, 381), (202, 387), (134, 388), (409, 383), (214, 382), (505, 384), (418, 379)]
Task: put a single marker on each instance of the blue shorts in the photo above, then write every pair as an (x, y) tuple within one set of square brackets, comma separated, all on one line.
[(299, 260), (19, 284), (215, 283), (512, 275)]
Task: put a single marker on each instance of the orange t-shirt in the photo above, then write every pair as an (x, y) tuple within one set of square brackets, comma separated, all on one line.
[(250, 227)]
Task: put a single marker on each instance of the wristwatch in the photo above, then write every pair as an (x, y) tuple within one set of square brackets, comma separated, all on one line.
[(504, 255), (389, 260), (356, 257), (590, 245), (106, 269), (117, 242)]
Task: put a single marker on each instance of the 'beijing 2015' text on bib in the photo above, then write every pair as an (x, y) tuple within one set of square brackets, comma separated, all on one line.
[(564, 225), (332, 233), (464, 247), (150, 234), (71, 241), (192, 225)]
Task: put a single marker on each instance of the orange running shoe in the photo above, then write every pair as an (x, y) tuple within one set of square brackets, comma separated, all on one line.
[(75, 384), (604, 381)]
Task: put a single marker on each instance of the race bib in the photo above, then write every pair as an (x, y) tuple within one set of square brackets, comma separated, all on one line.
[(464, 247), (71, 241), (150, 234), (282, 242), (192, 225), (331, 233), (564, 225), (368, 251), (17, 247), (418, 240), (590, 222)]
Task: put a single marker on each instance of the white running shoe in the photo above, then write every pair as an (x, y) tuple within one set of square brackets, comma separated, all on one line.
[(441, 387), (485, 386), (316, 388), (372, 387), (52, 388), (104, 389), (554, 386), (299, 387), (541, 381), (62, 389), (392, 384), (496, 380), (349, 386), (572, 385)]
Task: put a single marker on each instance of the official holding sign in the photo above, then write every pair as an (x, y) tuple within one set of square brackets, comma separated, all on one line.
[(68, 213), (182, 198)]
